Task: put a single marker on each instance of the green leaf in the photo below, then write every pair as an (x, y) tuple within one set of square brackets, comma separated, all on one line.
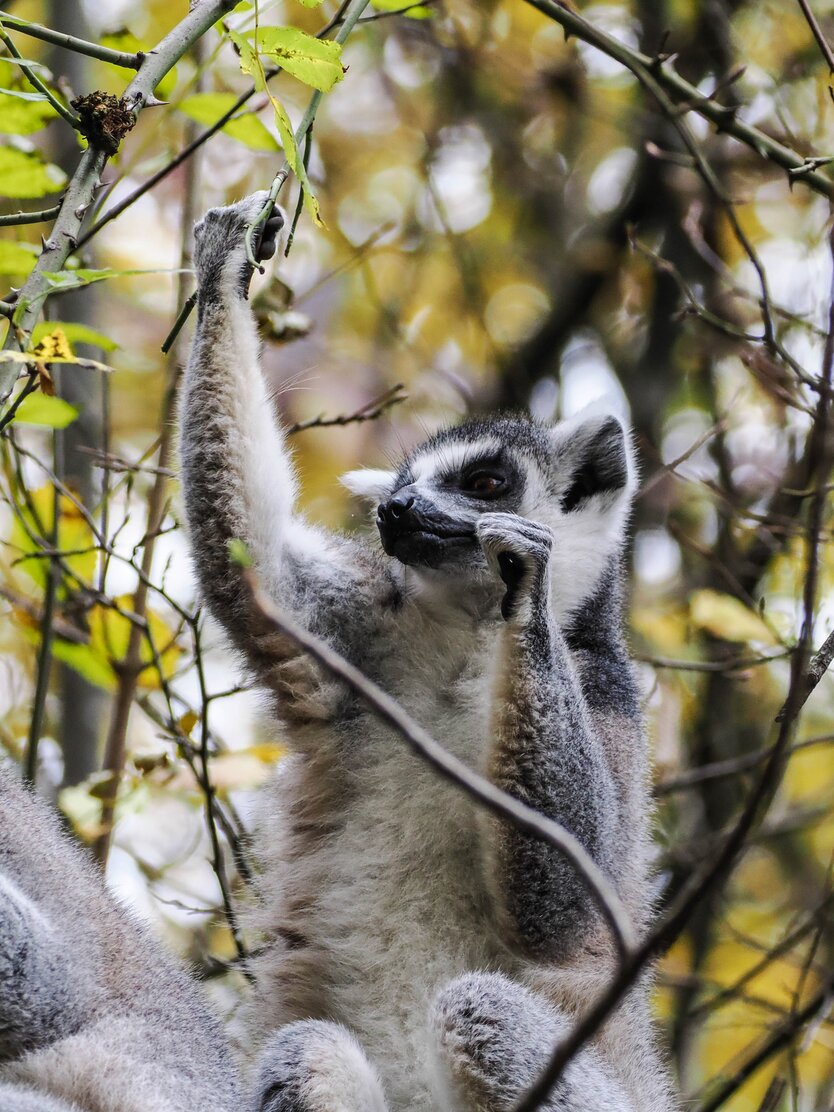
[(727, 617), (41, 409), (417, 11), (87, 662), (17, 258), (22, 113), (73, 279), (239, 553), (75, 333), (316, 62), (25, 175), (207, 108), (32, 63), (310, 3), (250, 63)]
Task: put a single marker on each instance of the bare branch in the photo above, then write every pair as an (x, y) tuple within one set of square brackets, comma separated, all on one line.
[(368, 412), (817, 32), (13, 219)]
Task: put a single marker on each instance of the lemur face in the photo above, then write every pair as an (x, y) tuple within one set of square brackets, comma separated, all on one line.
[(576, 476)]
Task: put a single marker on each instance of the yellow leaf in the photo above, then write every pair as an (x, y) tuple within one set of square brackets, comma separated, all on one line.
[(74, 536), (267, 751), (727, 617), (188, 721), (53, 346), (236, 771), (110, 636)]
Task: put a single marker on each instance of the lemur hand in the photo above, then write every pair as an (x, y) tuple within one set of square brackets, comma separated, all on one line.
[(220, 245), (518, 550)]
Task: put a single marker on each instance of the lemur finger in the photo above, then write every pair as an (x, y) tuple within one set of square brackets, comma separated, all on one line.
[(511, 569), (269, 238), (515, 547)]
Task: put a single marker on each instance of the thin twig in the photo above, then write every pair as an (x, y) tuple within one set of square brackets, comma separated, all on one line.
[(732, 766), (70, 42), (817, 32), (368, 412), (14, 219), (47, 633), (781, 1037), (28, 388)]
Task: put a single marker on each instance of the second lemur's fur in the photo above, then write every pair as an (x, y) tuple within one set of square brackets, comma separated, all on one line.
[(420, 955), (93, 1018)]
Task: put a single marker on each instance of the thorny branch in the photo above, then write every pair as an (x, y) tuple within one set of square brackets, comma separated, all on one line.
[(81, 188)]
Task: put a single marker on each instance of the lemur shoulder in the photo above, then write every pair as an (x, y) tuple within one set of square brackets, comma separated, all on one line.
[(93, 1018), (418, 954)]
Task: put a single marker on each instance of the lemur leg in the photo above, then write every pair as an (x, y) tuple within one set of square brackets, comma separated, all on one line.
[(495, 1036), (39, 999), (543, 751), (313, 1066)]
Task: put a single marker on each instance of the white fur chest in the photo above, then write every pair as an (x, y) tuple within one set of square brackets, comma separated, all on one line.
[(396, 898)]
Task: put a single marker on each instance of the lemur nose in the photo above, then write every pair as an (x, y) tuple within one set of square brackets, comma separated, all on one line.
[(396, 507), (399, 505)]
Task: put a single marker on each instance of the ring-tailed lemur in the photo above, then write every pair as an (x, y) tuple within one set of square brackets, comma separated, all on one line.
[(92, 1017), (420, 954)]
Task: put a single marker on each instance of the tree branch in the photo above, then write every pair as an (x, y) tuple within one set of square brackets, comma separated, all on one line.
[(79, 194), (80, 46), (13, 219), (689, 97)]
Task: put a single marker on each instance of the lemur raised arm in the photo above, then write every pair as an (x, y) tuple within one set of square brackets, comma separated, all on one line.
[(92, 1017), (420, 955)]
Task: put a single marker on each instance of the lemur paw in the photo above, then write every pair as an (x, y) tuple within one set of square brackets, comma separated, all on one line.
[(220, 244), (518, 550)]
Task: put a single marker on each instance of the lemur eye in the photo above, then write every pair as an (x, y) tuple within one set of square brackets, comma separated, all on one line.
[(484, 484)]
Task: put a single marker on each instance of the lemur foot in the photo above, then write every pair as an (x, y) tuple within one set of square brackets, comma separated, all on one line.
[(220, 245), (495, 1036), (313, 1066), (518, 550)]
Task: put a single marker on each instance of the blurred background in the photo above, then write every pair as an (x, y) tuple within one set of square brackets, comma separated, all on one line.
[(511, 220)]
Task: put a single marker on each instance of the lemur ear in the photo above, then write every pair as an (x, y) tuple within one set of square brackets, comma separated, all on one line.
[(375, 486), (597, 454)]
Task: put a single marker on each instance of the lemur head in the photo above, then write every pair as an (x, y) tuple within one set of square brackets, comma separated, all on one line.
[(577, 476)]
